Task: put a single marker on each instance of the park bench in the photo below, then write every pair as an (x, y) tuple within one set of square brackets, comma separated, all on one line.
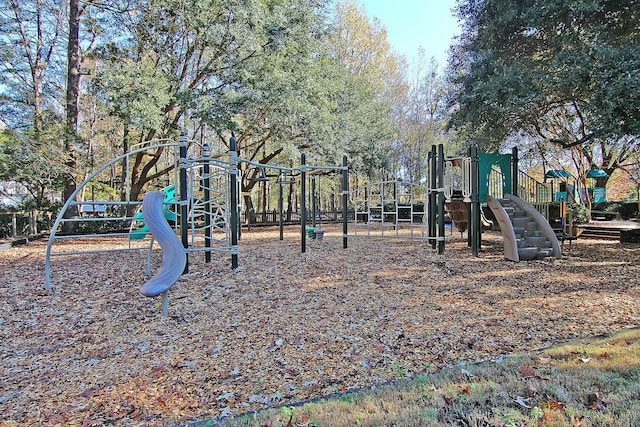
[(315, 233), (92, 209)]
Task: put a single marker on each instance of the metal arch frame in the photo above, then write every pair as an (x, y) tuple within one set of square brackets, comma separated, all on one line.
[(71, 201)]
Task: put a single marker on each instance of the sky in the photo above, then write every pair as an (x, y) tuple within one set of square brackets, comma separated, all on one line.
[(414, 23)]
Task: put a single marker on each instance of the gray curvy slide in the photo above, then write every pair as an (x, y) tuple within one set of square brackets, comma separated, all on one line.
[(174, 257)]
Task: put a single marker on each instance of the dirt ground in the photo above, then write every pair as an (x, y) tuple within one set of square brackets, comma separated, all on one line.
[(285, 326)]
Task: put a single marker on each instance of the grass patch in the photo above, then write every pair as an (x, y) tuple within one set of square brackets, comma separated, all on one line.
[(584, 383)]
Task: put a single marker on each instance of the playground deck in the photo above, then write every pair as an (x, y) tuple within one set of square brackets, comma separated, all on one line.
[(606, 230), (284, 326)]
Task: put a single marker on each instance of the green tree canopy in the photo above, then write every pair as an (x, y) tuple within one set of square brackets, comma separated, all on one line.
[(520, 64), (563, 72)]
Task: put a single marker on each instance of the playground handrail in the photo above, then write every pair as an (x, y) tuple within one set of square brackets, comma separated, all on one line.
[(529, 189), (532, 190)]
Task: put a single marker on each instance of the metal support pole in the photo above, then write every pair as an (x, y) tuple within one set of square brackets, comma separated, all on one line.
[(514, 171), (441, 225), (14, 226), (345, 200), (433, 209), (313, 201), (303, 201), (475, 201), (206, 153), (233, 195), (184, 209), (281, 205), (469, 214)]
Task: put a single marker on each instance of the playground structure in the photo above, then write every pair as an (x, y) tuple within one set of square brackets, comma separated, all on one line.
[(391, 205), (458, 185), (386, 208), (202, 202)]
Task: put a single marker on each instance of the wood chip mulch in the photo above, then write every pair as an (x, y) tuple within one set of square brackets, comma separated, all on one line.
[(285, 326)]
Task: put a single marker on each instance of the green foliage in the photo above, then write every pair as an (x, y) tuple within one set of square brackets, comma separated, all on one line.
[(31, 61), (580, 213), (608, 206), (626, 210), (136, 93), (273, 72), (22, 224), (563, 71), (93, 227), (33, 160), (287, 411)]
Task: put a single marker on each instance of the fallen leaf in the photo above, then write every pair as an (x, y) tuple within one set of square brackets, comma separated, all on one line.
[(545, 360), (225, 396), (528, 371), (304, 418), (466, 372), (90, 392), (556, 405), (522, 401), (253, 315)]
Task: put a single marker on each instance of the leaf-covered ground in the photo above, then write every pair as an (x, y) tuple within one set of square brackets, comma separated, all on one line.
[(285, 326)]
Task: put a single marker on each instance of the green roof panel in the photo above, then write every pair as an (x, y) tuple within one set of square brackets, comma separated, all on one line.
[(557, 173), (597, 173)]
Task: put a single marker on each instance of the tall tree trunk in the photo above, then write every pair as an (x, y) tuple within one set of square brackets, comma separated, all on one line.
[(73, 90)]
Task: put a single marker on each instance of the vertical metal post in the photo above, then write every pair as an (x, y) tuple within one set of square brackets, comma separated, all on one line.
[(441, 225), (14, 226), (233, 195), (469, 214), (184, 209), (475, 201), (514, 171), (314, 207), (563, 215), (396, 224), (433, 209), (281, 204), (345, 200), (303, 201), (206, 153)]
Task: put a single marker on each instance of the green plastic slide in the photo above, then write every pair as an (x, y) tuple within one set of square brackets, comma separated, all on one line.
[(141, 233)]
